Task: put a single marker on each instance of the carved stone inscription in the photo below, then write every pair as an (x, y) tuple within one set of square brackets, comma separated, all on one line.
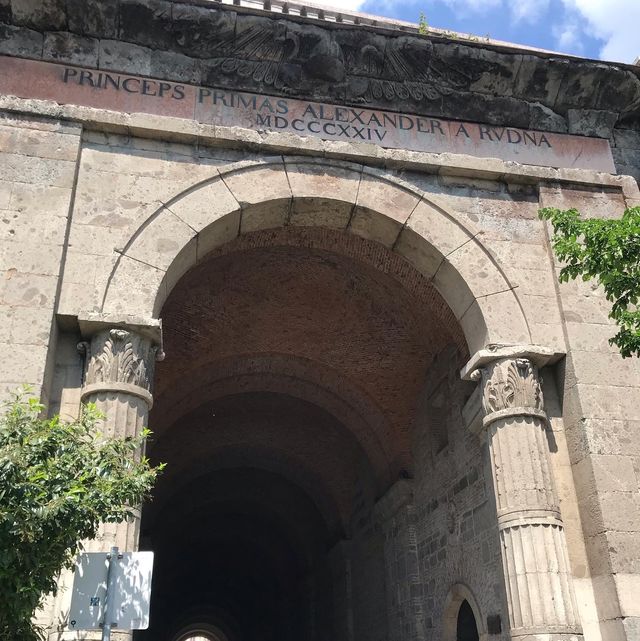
[(226, 107)]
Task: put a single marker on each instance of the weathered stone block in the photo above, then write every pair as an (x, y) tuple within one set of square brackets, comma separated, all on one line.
[(27, 360), (175, 66), (488, 71), (588, 368), (626, 138), (539, 79), (605, 473), (203, 206), (5, 11), (125, 57), (591, 122), (166, 235), (620, 92), (495, 110), (203, 32), (5, 193), (31, 142), (627, 161), (28, 290), (395, 206), (44, 15), (40, 259), (146, 22), (42, 171), (545, 119), (20, 41), (68, 47), (96, 18)]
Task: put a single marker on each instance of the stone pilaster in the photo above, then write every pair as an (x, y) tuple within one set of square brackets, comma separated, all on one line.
[(535, 560)]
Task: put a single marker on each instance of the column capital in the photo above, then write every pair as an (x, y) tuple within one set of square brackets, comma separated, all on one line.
[(120, 355), (150, 328), (511, 384), (536, 354)]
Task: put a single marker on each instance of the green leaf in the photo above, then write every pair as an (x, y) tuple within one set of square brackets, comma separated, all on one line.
[(607, 250), (59, 480)]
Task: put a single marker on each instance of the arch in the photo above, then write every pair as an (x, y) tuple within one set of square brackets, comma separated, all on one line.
[(458, 594), (202, 632), (366, 202), (299, 378)]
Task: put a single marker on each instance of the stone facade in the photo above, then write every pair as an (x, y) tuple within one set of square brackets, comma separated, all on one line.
[(378, 402)]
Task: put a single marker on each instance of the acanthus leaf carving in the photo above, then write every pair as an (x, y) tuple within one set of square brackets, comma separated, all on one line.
[(510, 383), (118, 355)]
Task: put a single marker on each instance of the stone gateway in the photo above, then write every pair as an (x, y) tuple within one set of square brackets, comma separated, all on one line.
[(303, 247)]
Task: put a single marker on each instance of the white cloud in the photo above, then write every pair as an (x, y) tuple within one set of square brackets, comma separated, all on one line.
[(476, 6), (528, 10), (569, 37), (616, 22), (342, 5)]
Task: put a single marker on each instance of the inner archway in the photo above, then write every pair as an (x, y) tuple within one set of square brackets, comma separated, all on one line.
[(297, 366), (466, 628)]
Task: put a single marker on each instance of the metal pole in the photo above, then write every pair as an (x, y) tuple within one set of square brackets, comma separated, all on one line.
[(110, 596)]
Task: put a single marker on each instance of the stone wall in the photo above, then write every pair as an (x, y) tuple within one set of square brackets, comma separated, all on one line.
[(602, 416), (38, 160), (435, 527), (121, 179), (237, 48), (456, 526)]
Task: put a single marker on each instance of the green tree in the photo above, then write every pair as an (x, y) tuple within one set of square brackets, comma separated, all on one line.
[(609, 251), (58, 481)]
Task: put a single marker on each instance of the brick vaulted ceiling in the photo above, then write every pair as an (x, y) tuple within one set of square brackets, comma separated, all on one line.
[(302, 352)]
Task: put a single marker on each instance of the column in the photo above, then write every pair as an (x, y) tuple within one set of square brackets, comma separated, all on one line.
[(118, 374), (536, 567), (119, 360)]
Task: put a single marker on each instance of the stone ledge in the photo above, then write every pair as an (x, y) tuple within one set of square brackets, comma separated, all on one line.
[(187, 131)]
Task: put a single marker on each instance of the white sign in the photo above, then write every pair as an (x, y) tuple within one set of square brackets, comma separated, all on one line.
[(131, 594)]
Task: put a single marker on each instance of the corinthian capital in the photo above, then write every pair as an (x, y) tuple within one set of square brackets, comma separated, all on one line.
[(118, 355), (511, 383)]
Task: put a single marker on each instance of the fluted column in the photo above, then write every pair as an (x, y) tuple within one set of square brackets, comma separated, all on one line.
[(119, 357), (536, 567), (118, 374)]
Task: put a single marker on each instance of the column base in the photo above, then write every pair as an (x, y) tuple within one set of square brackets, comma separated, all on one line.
[(89, 635), (546, 633)]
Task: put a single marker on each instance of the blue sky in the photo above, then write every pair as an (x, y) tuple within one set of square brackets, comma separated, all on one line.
[(605, 29)]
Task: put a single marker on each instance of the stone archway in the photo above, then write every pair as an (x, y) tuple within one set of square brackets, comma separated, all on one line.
[(460, 594), (362, 201), (297, 357), (376, 235)]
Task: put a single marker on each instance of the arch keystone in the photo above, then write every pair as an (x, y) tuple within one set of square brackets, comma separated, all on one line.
[(323, 194), (263, 194)]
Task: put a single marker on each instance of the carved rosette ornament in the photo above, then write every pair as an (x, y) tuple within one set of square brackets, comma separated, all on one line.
[(539, 584)]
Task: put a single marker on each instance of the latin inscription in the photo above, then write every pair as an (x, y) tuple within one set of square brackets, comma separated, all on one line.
[(327, 121), (228, 108)]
